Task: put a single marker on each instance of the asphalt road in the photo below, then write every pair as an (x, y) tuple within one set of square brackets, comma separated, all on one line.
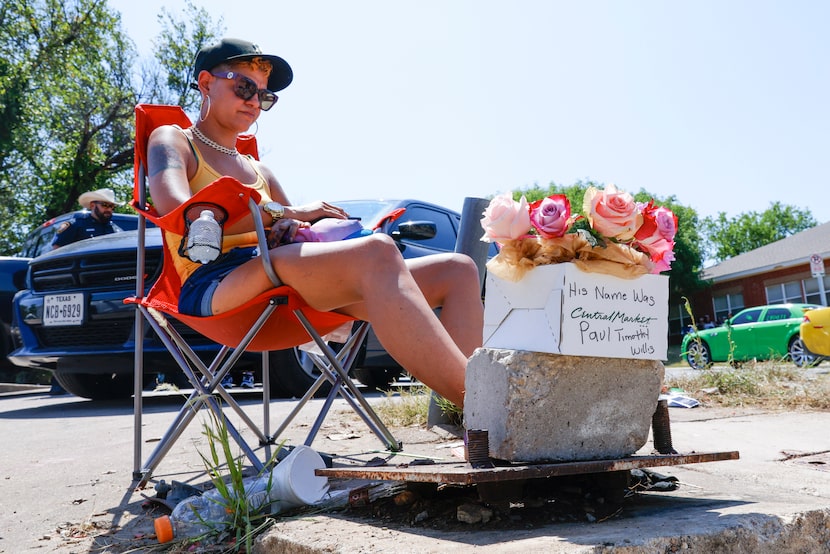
[(66, 464)]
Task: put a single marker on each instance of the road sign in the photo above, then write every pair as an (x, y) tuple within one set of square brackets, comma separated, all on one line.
[(816, 265)]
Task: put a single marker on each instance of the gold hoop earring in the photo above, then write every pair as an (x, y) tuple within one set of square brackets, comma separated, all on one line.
[(205, 100), (255, 130)]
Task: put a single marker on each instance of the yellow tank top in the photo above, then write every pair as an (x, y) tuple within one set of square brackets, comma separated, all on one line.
[(205, 175)]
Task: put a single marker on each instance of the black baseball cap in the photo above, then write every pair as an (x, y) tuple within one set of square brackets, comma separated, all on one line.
[(237, 50)]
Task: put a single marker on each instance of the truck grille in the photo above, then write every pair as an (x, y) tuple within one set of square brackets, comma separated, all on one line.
[(110, 333), (106, 271), (93, 333)]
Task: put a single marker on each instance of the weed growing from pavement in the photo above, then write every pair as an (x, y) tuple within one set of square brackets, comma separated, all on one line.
[(247, 521), (453, 412), (698, 353), (226, 471), (411, 407), (406, 407)]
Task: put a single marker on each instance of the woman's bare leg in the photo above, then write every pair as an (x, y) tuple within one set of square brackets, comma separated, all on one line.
[(368, 279), (451, 282)]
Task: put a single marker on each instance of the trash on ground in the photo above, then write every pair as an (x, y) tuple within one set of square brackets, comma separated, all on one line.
[(679, 400)]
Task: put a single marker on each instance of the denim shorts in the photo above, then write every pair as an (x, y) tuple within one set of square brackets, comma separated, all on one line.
[(197, 292)]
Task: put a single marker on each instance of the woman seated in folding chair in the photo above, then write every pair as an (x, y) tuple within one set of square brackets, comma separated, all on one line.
[(366, 278)]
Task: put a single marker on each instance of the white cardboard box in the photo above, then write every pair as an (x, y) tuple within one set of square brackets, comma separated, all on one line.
[(560, 309)]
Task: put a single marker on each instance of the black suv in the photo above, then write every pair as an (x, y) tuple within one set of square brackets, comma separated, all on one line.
[(91, 349)]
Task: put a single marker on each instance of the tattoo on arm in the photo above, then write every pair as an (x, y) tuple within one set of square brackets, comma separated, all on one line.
[(162, 157)]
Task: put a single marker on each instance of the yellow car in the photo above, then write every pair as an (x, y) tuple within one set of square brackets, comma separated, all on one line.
[(815, 331)]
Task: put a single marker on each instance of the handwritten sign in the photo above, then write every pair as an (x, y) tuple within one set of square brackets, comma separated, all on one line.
[(616, 318), (560, 309)]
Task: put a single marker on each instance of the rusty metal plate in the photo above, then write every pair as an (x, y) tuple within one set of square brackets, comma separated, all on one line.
[(461, 473)]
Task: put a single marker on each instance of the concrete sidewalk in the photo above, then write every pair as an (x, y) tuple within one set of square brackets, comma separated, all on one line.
[(775, 498), (66, 466)]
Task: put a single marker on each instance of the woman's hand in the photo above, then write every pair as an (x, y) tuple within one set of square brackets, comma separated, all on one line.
[(316, 210), (282, 232)]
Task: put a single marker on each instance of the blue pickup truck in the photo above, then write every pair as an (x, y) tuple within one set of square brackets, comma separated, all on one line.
[(13, 270), (92, 354)]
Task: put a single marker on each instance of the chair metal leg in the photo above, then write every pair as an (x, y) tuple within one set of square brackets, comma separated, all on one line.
[(200, 396), (341, 383), (206, 381), (205, 385), (298, 407), (265, 363), (351, 346), (321, 415), (369, 416), (138, 401)]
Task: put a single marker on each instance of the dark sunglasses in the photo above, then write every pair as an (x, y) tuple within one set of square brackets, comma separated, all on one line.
[(245, 89), (106, 205)]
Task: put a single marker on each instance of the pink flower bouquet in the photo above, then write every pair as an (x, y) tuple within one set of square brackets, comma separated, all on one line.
[(617, 235)]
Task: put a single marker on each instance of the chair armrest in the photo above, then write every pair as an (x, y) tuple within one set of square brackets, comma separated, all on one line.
[(262, 241), (226, 192), (231, 195)]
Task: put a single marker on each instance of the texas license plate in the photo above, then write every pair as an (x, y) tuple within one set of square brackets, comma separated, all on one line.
[(63, 309)]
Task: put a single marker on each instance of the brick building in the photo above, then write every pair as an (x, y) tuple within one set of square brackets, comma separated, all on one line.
[(776, 273)]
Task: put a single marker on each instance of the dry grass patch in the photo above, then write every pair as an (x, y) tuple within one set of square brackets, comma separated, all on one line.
[(404, 408), (411, 407), (770, 385)]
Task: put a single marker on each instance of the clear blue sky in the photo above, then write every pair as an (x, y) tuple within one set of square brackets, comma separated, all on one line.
[(724, 104)]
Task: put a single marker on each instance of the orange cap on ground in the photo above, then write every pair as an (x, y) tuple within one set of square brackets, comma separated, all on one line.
[(164, 528)]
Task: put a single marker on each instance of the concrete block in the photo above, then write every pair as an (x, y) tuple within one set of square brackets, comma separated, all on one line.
[(548, 407)]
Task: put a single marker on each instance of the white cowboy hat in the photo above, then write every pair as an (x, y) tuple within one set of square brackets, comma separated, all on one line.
[(100, 195)]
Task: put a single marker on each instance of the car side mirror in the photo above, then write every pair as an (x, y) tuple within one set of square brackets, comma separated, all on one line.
[(415, 230)]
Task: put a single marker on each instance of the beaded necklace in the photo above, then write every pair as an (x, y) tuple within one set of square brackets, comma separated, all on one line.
[(223, 149)]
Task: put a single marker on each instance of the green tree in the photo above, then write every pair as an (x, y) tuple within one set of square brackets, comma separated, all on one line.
[(729, 237), (68, 86), (66, 97), (175, 48), (574, 193), (684, 277)]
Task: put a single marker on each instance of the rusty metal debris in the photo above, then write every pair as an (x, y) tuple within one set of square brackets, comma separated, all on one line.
[(661, 428), (477, 444), (461, 473)]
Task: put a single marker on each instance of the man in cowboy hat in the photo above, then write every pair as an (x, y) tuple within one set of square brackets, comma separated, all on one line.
[(88, 224)]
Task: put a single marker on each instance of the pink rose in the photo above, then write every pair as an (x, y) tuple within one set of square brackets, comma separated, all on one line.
[(551, 216), (661, 253), (658, 224), (612, 213), (505, 219), (656, 235)]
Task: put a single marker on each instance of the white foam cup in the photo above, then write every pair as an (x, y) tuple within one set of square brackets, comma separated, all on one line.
[(293, 482)]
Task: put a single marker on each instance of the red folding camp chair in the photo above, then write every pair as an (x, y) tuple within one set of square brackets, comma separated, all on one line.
[(275, 320)]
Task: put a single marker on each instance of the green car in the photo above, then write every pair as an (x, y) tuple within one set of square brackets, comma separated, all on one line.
[(761, 333)]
